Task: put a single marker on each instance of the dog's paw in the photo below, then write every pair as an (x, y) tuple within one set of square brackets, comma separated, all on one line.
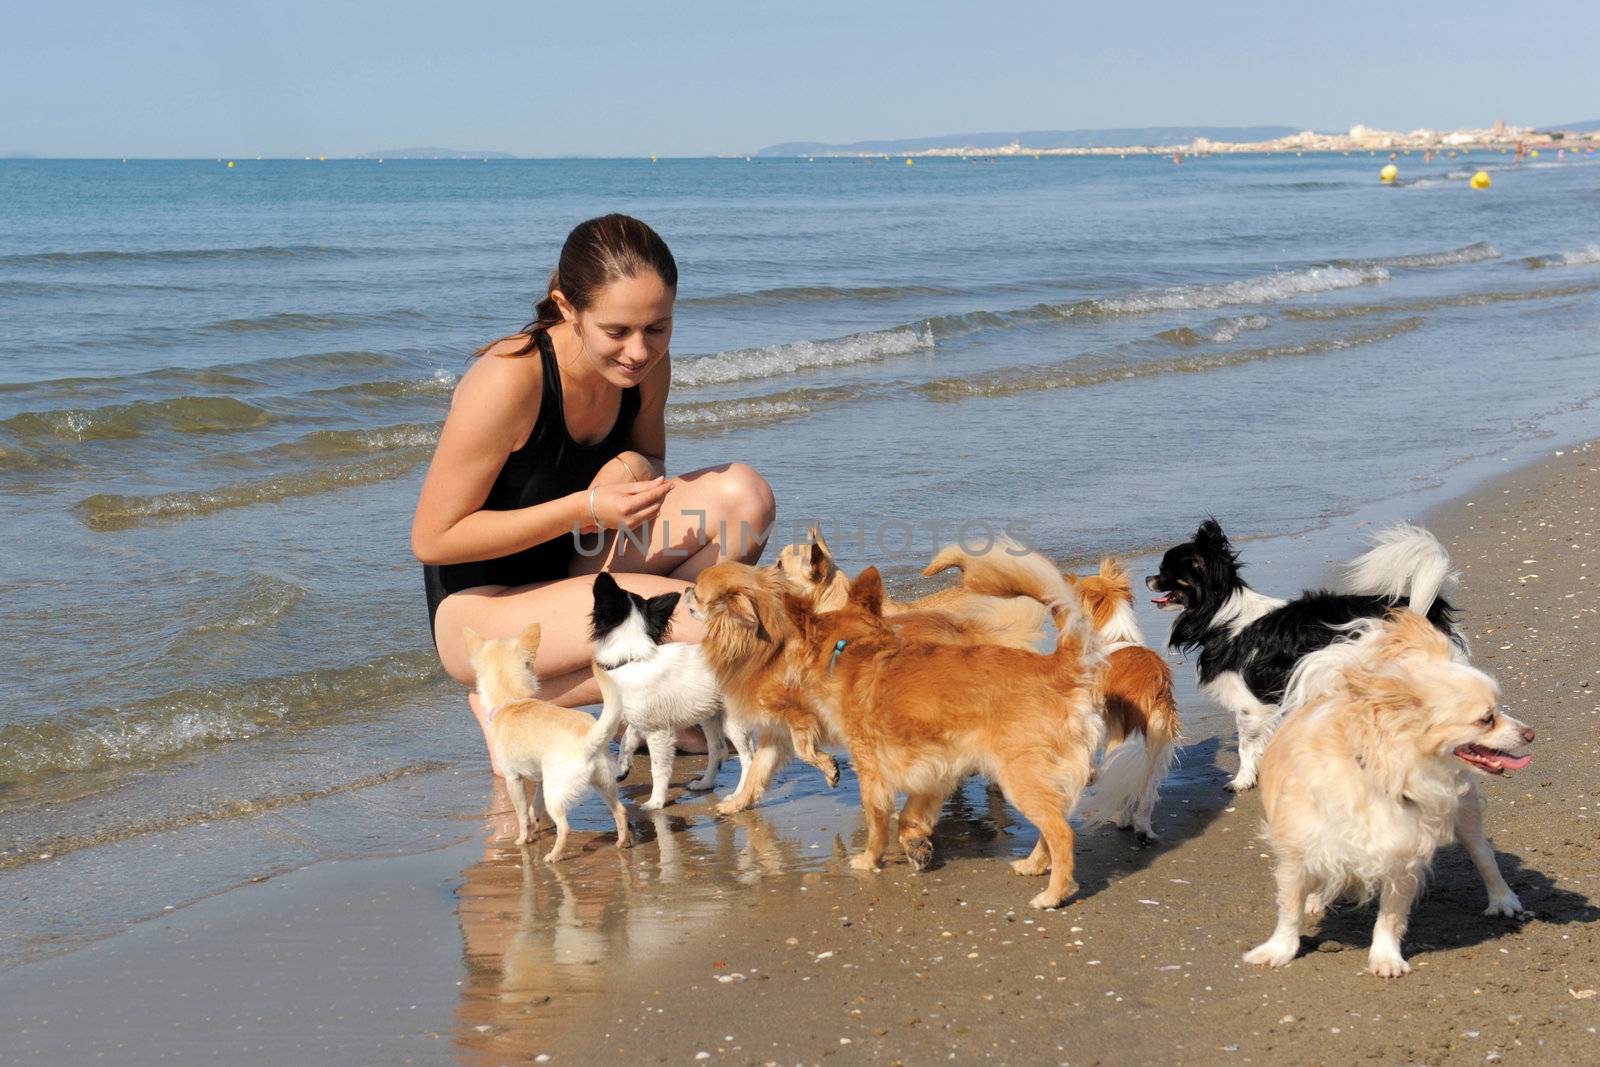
[(919, 851), (523, 838), (1508, 907), (552, 856), (1046, 900), (1028, 867), (1273, 953), (1144, 839), (624, 840), (865, 861), (653, 804), (700, 785), (1387, 966), (1242, 784), (1316, 907)]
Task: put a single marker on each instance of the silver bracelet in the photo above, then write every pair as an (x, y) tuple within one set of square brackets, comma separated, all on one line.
[(592, 514)]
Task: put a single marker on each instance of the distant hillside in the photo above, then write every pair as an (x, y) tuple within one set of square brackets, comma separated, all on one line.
[(1575, 127), (1146, 135), (435, 153)]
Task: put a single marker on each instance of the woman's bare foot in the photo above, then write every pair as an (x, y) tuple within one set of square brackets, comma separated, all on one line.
[(481, 714)]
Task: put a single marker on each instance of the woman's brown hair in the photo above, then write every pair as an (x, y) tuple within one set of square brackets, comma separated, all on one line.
[(596, 253)]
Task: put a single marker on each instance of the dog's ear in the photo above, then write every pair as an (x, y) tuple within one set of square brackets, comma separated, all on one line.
[(1112, 571), (817, 561), (658, 615), (1210, 535), (818, 540), (474, 643), (1411, 633), (1385, 692), (866, 592), (529, 641)]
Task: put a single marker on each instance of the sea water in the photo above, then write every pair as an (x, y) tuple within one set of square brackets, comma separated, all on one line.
[(219, 389)]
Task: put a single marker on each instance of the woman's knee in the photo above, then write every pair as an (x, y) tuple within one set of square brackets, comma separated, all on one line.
[(744, 501)]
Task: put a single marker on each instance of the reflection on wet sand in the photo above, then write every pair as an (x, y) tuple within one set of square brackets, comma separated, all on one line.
[(539, 938)]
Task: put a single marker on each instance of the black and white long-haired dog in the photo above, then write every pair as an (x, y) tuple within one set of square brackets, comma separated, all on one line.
[(1248, 643)]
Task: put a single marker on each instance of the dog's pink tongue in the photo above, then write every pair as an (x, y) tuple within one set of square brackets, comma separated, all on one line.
[(1161, 599), (1515, 763)]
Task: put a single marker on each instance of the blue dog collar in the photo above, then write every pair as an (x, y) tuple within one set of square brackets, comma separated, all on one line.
[(838, 648)]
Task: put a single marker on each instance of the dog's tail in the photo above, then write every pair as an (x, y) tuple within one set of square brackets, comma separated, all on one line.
[(1404, 561), (1125, 790), (605, 727), (1007, 569)]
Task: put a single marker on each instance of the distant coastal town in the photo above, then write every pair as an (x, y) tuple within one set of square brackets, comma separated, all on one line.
[(1359, 138)]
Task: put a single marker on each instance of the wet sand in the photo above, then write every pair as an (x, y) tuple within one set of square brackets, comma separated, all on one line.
[(750, 941)]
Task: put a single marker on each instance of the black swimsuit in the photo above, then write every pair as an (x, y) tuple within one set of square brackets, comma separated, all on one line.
[(549, 466)]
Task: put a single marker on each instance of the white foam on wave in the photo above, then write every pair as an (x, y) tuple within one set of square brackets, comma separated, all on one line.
[(1582, 257), (1473, 253), (1232, 328), (745, 364), (1285, 285)]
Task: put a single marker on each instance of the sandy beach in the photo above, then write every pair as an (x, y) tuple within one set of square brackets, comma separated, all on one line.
[(749, 940)]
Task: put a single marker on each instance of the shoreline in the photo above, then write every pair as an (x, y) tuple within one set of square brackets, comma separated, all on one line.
[(464, 953)]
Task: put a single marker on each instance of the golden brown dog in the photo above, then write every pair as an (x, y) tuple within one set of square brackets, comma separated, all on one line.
[(759, 660), (918, 716), (1136, 697), (1026, 719), (1011, 609)]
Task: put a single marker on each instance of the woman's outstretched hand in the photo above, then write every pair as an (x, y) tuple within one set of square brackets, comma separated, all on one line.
[(630, 503)]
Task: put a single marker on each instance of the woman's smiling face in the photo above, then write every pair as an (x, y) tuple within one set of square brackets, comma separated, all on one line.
[(627, 330)]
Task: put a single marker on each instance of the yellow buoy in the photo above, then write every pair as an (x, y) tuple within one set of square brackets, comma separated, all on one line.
[(1480, 180), (230, 163), (1534, 153), (908, 161), (1389, 173)]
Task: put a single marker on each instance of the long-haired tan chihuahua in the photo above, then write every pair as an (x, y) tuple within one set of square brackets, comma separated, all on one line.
[(918, 716), (559, 751), (1372, 770)]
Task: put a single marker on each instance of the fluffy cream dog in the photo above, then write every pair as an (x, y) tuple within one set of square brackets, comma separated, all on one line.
[(1372, 771), (558, 750)]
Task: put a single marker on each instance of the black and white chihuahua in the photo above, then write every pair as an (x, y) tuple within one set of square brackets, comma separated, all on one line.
[(1248, 643)]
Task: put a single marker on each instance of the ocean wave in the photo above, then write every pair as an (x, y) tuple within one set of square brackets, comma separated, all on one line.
[(1263, 289), (113, 511), (184, 414), (1083, 373), (178, 255), (178, 721), (300, 320), (746, 364), (29, 851), (440, 385), (322, 444), (1583, 257), (1430, 303), (715, 415), (1452, 257), (800, 294), (1218, 333)]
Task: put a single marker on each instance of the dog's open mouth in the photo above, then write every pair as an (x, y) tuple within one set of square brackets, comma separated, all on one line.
[(1492, 759), (1165, 600)]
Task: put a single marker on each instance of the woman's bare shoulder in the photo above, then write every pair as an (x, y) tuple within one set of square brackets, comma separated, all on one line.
[(502, 389)]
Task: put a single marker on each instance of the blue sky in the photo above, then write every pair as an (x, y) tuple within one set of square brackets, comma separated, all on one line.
[(192, 78)]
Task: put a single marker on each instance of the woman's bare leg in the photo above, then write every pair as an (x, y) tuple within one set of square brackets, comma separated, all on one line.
[(713, 514)]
